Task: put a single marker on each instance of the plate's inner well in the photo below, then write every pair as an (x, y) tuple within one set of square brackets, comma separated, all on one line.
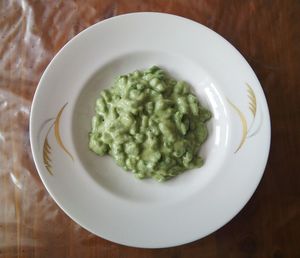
[(114, 179)]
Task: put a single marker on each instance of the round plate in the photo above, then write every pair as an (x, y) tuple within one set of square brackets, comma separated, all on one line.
[(112, 203)]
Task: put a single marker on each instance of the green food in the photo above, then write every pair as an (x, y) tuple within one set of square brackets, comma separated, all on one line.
[(151, 124)]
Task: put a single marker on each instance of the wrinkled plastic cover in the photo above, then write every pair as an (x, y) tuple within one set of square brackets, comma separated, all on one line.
[(31, 33)]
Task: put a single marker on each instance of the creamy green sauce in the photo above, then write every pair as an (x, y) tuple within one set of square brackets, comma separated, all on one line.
[(151, 124)]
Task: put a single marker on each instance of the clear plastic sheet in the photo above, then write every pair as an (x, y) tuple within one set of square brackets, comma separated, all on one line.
[(31, 32)]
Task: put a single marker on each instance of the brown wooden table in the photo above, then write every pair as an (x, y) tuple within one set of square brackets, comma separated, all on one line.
[(267, 33)]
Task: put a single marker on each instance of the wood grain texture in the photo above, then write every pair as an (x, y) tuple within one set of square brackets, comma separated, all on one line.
[(266, 32)]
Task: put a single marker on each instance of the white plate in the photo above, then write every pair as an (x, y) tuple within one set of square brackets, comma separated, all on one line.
[(99, 195)]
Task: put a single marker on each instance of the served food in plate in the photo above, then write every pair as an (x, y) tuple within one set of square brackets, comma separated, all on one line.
[(151, 124)]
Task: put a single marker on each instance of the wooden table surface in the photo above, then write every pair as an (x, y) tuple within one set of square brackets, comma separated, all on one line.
[(267, 33)]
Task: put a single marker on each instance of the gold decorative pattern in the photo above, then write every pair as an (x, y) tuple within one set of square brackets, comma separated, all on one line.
[(57, 133), (47, 153), (252, 100), (244, 125), (46, 145), (43, 126), (253, 108)]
